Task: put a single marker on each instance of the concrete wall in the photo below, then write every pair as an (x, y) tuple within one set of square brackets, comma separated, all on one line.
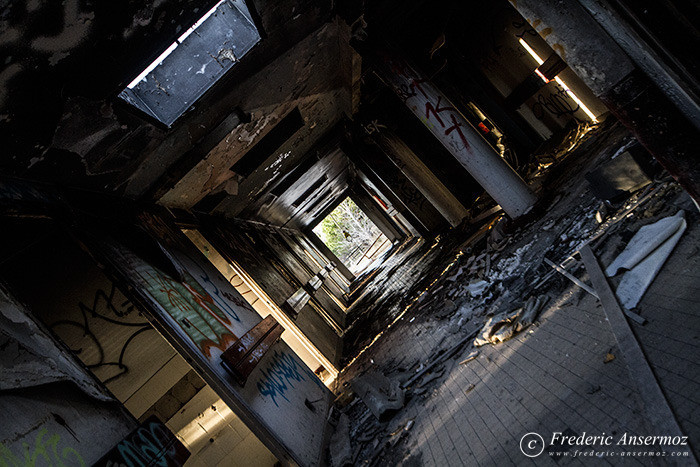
[(264, 306), (262, 252), (51, 410), (376, 162), (216, 436), (202, 315), (82, 307)]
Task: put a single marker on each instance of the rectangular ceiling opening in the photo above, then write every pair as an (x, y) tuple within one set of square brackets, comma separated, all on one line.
[(352, 236), (191, 65)]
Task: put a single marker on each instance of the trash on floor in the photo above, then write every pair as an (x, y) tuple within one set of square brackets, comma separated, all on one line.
[(572, 278), (498, 328), (617, 178), (531, 310), (340, 449), (472, 355), (644, 256), (503, 326), (380, 394)]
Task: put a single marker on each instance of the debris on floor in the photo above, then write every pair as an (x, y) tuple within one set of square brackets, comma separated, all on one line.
[(496, 283), (617, 178), (340, 449), (644, 256), (472, 355), (380, 394), (573, 279), (645, 241), (503, 326), (531, 310)]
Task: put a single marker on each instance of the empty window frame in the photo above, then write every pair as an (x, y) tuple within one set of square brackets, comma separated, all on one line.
[(194, 62)]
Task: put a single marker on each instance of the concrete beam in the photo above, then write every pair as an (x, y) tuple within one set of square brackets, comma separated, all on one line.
[(404, 217), (644, 57), (376, 214), (458, 136), (374, 163), (421, 176)]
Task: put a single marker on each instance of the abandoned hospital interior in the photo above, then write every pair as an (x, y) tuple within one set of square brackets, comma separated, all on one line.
[(309, 232)]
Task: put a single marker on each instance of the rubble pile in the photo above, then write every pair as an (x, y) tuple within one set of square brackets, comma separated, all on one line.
[(497, 285)]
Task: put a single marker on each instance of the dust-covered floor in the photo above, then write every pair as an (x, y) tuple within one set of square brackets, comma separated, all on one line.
[(564, 373)]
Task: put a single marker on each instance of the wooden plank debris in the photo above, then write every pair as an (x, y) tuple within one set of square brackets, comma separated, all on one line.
[(659, 413)]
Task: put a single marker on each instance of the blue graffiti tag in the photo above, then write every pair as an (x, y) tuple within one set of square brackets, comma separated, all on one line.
[(152, 443), (280, 375)]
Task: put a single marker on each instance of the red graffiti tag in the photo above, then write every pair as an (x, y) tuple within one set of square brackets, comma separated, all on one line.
[(399, 68), (456, 126), (436, 110)]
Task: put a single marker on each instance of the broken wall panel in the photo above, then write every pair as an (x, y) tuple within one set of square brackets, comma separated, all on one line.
[(221, 40), (202, 315), (61, 414), (90, 314)]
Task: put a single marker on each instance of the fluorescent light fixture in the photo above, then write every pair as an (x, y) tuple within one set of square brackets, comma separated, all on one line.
[(532, 53), (558, 80)]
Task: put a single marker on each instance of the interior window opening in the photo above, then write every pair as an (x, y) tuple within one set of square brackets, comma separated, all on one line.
[(352, 236)]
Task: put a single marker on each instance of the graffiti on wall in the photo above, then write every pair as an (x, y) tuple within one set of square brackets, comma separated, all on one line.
[(281, 373), (106, 307), (523, 29), (189, 314), (436, 113), (195, 310), (150, 444), (46, 450), (221, 298), (554, 99)]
